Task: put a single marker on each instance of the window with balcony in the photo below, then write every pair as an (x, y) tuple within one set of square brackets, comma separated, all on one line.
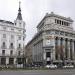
[(11, 45), (3, 45), (3, 52), (19, 45), (19, 53), (11, 52)]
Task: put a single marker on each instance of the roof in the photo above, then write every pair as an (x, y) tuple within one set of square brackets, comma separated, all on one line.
[(4, 21), (55, 15), (19, 16)]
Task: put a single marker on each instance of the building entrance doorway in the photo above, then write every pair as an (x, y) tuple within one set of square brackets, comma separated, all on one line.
[(3, 61), (48, 57), (11, 61), (19, 60), (48, 54)]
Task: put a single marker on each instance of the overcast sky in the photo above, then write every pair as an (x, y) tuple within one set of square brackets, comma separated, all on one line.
[(34, 10)]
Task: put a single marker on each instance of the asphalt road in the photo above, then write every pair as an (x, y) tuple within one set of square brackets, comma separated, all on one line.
[(41, 72)]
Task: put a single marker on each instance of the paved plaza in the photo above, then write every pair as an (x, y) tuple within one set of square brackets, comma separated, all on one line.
[(40, 72)]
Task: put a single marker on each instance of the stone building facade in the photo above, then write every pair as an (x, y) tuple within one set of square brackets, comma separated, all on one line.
[(12, 40), (54, 41)]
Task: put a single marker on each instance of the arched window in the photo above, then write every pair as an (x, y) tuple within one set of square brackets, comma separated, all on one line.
[(19, 45)]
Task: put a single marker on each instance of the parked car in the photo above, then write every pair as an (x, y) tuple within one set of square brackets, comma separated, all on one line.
[(68, 66), (51, 66)]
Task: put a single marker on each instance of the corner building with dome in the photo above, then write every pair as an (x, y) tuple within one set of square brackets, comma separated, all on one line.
[(12, 41)]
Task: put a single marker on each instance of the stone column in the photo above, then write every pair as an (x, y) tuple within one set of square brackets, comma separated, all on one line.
[(68, 48), (73, 50), (58, 48), (64, 48), (7, 60), (53, 50), (0, 60)]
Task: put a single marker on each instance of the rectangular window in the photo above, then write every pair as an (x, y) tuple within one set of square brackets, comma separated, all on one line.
[(66, 34), (3, 52), (4, 35), (19, 38), (23, 32), (19, 31), (23, 38), (19, 45), (48, 32), (12, 29), (12, 36), (57, 21), (11, 52), (4, 28), (11, 45), (19, 53), (61, 33), (56, 32)]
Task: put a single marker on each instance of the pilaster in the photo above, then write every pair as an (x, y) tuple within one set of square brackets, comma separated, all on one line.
[(7, 60)]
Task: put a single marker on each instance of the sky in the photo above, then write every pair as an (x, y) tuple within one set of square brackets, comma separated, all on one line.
[(34, 10)]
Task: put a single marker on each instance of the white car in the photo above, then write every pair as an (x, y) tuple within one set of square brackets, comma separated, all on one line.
[(51, 66), (68, 66)]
